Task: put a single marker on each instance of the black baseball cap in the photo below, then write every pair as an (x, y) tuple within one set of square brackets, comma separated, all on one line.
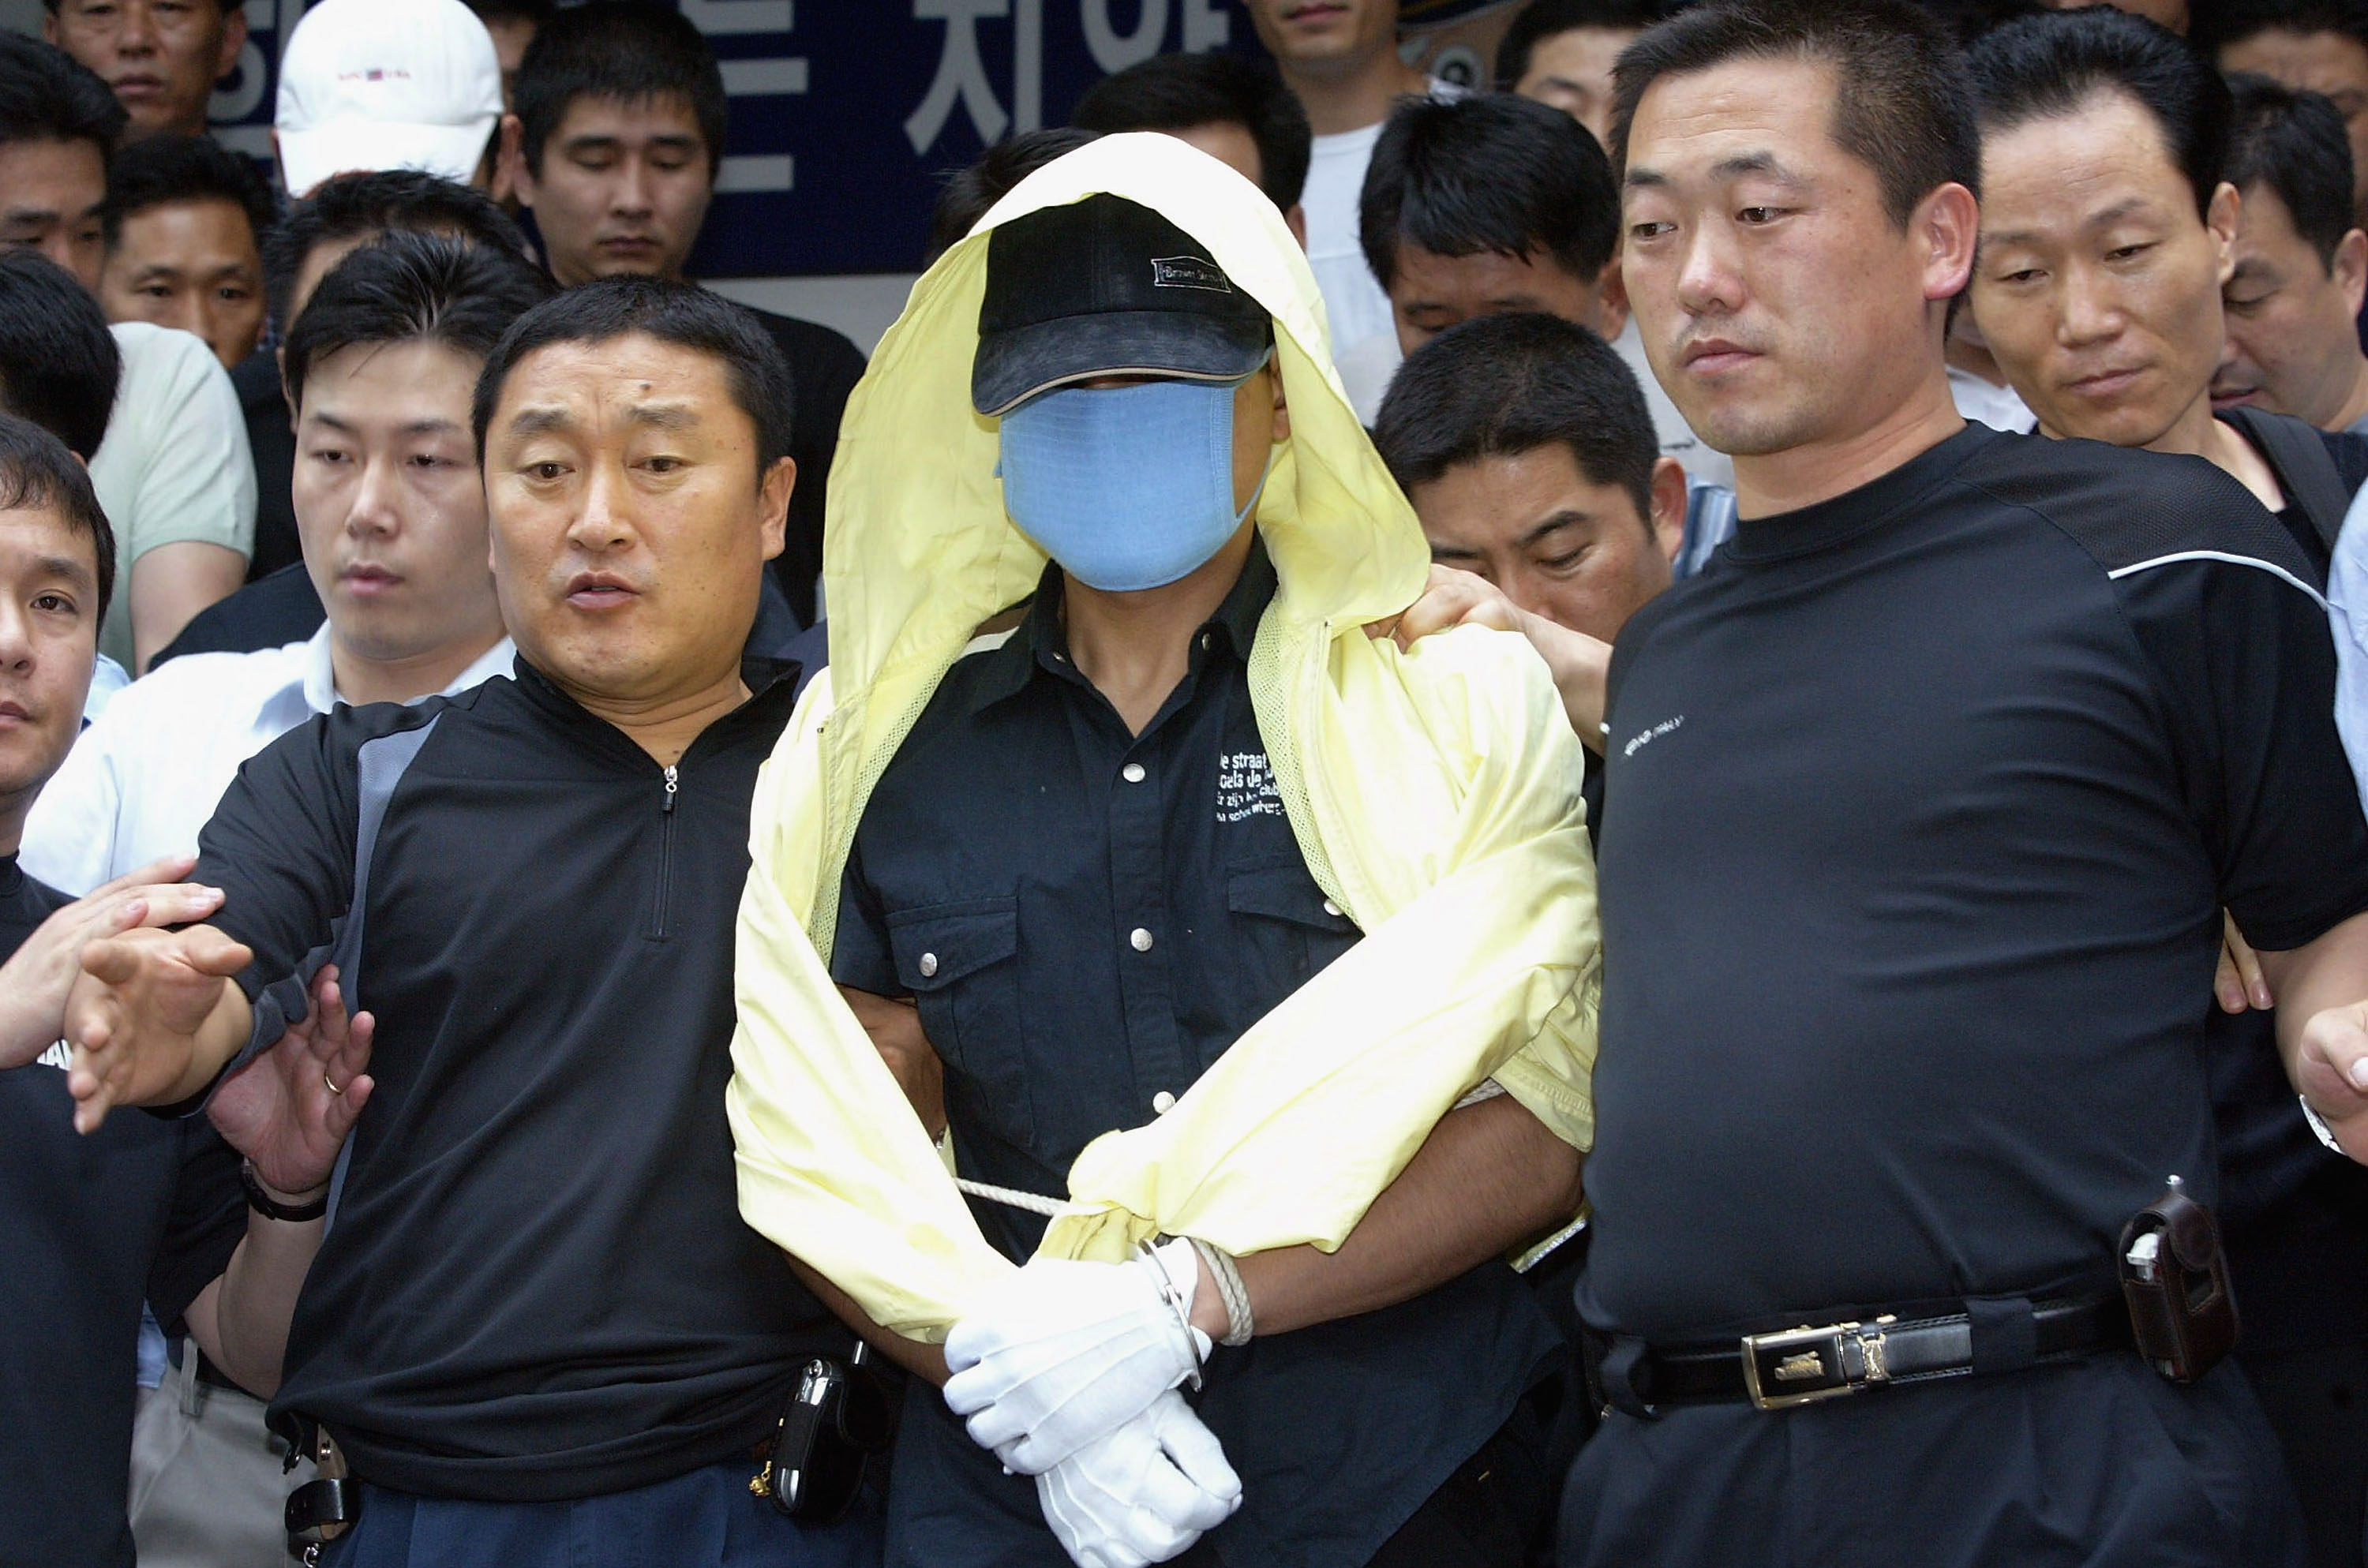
[(1107, 287)]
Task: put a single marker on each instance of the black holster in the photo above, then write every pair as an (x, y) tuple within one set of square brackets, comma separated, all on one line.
[(2175, 1277)]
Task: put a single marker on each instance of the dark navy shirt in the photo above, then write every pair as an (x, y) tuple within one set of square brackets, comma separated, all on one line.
[(89, 1226), (1923, 804), (1087, 920)]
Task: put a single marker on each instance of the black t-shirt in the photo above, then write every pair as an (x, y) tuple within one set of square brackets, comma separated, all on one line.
[(89, 1227), (824, 368), (271, 437), (537, 1284), (1923, 804)]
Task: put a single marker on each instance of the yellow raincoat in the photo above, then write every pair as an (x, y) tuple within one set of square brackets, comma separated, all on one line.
[(1434, 793)]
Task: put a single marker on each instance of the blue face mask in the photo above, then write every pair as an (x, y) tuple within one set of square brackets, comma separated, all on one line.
[(1126, 487)]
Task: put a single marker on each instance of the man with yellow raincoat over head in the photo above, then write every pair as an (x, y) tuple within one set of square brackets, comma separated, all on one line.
[(1257, 952)]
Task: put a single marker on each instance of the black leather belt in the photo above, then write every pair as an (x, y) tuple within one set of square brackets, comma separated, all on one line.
[(213, 1377), (1800, 1365)]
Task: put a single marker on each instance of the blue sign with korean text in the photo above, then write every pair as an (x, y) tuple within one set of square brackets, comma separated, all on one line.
[(848, 114)]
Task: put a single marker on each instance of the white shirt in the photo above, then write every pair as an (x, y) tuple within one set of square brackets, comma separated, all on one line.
[(1353, 301), (146, 776), (1986, 403), (2347, 597), (107, 678), (174, 466)]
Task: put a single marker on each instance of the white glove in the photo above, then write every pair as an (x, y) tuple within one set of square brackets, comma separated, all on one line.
[(1063, 1353), (1141, 1494)]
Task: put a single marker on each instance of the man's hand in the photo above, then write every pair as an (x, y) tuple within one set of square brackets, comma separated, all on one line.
[(1453, 598), (1143, 1494), (142, 1018), (1062, 1354), (2331, 1071), (36, 979), (289, 1110), (2239, 983), (1578, 663)]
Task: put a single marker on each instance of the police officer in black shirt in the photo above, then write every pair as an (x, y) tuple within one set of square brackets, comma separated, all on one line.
[(537, 1331), (2108, 233), (145, 1210), (1924, 799)]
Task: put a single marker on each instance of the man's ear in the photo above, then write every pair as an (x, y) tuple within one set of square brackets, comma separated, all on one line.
[(1949, 221), (773, 504), (508, 164), (1611, 301), (1295, 221), (1282, 431), (49, 28), (234, 36), (2350, 270), (280, 360), (1668, 518), (2221, 218)]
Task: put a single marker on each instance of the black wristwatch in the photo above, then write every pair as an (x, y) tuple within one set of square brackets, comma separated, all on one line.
[(271, 1208)]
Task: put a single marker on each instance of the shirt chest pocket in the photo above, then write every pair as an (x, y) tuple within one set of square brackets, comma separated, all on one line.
[(959, 962), (1286, 928)]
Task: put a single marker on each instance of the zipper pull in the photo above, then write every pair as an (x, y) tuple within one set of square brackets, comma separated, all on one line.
[(671, 787)]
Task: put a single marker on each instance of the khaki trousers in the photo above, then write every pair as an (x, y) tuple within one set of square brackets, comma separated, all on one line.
[(207, 1488)]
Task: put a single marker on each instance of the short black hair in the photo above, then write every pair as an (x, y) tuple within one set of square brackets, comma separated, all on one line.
[(46, 94), (36, 470), (683, 314), (1493, 173), (158, 171), (1543, 19), (2234, 21), (970, 191), (358, 206), (535, 11), (624, 51), (1967, 20), (2049, 66), (1898, 105), (1502, 385), (2294, 143), (58, 363), (412, 288), (1176, 91)]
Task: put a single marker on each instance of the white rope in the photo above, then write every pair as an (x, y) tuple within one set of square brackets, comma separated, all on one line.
[(1011, 1197)]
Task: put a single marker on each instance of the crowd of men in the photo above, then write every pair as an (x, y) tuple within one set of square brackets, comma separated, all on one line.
[(1612, 822)]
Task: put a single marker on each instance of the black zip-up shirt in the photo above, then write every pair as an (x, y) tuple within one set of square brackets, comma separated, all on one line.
[(536, 1283)]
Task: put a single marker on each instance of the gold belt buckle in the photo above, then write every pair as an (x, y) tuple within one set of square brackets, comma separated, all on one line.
[(1800, 1365)]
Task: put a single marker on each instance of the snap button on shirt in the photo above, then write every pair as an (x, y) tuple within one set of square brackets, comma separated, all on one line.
[(928, 965), (1162, 1103), (1131, 773), (1141, 939)]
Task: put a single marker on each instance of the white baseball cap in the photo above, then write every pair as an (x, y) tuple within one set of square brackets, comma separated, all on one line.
[(373, 85)]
